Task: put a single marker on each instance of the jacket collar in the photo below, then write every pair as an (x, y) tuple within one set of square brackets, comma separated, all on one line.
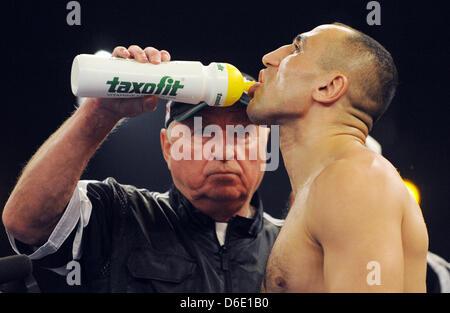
[(238, 226)]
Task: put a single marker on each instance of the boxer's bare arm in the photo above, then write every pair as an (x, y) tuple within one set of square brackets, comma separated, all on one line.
[(356, 217), (50, 177)]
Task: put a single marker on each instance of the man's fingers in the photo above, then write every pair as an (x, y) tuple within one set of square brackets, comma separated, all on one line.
[(137, 53), (165, 56), (149, 54), (121, 52), (154, 55)]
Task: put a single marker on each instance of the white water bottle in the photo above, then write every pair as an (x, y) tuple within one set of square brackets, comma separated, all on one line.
[(218, 84)]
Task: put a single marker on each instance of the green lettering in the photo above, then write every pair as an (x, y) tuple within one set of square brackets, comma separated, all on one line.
[(175, 87), (113, 84), (137, 87), (219, 96), (161, 85), (146, 88), (124, 87), (168, 86)]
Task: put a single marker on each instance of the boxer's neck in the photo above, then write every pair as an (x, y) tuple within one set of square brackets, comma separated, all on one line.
[(313, 142)]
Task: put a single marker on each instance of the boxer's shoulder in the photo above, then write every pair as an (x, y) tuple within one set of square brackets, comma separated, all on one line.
[(352, 194), (358, 167), (360, 180)]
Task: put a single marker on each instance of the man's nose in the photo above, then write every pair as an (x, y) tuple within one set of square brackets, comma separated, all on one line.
[(225, 152), (274, 58)]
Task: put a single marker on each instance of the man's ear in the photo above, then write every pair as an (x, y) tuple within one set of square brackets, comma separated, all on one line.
[(331, 88), (165, 146)]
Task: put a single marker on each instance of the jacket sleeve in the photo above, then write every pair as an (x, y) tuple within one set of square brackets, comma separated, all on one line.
[(85, 227)]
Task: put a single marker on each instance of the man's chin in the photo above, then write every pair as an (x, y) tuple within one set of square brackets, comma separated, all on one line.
[(258, 114), (225, 195), (221, 202)]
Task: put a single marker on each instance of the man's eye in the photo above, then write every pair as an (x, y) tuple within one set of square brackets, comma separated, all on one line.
[(297, 48)]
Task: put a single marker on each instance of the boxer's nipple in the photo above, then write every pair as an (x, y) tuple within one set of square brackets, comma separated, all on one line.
[(280, 282)]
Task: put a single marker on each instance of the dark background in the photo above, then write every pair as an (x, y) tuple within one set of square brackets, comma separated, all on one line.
[(39, 46)]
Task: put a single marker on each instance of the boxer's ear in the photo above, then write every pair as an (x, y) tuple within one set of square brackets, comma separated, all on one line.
[(330, 88), (165, 146)]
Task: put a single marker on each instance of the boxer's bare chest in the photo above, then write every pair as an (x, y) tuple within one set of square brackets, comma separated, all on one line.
[(296, 260)]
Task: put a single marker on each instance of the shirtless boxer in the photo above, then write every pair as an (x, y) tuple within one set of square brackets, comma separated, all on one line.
[(352, 218)]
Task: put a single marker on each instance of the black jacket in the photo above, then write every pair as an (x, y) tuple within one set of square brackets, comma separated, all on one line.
[(142, 241)]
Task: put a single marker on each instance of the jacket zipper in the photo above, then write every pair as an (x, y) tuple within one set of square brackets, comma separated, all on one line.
[(224, 262), (225, 268)]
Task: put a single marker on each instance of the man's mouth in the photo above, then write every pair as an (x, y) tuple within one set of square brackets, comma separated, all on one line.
[(251, 91), (223, 173)]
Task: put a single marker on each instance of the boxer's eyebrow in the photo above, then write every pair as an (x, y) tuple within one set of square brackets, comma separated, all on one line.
[(300, 40)]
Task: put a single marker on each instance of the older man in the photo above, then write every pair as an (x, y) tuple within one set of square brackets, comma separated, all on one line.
[(207, 234)]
